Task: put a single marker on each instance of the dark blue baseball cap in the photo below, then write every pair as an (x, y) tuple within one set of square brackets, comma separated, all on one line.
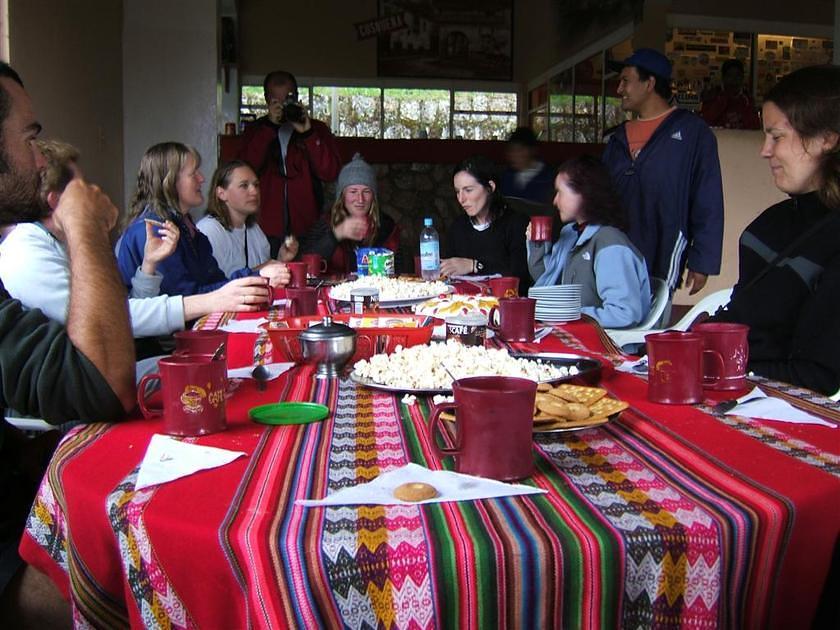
[(647, 59)]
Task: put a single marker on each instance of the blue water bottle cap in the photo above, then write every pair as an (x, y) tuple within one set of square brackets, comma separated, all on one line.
[(427, 221)]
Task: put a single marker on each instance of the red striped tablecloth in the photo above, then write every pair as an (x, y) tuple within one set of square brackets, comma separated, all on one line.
[(671, 516)]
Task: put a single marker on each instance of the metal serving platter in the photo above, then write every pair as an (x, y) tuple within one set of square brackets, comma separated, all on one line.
[(588, 369), (401, 303)]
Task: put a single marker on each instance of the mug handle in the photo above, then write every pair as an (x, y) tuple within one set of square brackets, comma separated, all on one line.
[(141, 397), (367, 339), (443, 451), (492, 326), (324, 265), (712, 380)]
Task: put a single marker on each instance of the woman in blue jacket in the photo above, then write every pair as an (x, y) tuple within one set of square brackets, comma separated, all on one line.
[(168, 186), (592, 249)]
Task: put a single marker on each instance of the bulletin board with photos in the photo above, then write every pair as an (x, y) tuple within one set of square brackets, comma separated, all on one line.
[(697, 56), (779, 55)]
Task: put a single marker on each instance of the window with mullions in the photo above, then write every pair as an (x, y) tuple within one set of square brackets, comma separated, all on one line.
[(484, 115), (411, 113), (401, 112)]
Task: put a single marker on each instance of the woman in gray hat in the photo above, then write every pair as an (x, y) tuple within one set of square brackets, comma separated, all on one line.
[(354, 221)]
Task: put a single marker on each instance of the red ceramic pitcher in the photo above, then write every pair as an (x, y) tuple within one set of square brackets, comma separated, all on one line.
[(298, 272), (516, 318), (675, 367), (494, 426), (730, 341), (193, 394)]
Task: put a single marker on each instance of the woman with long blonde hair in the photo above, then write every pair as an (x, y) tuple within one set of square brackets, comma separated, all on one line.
[(355, 221), (168, 187)]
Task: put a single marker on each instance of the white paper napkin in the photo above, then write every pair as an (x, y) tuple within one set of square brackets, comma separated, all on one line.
[(451, 486), (244, 325), (274, 370), (756, 404), (168, 459)]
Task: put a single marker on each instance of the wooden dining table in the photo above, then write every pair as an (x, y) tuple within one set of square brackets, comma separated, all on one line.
[(668, 516)]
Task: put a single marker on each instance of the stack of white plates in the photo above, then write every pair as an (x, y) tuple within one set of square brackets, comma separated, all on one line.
[(558, 303)]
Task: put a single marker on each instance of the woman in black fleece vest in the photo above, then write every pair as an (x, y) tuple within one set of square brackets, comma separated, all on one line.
[(792, 303)]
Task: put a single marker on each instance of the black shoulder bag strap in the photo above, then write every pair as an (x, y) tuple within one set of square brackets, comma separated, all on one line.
[(788, 250)]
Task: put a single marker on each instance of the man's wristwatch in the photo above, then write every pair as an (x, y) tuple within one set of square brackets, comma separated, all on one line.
[(477, 266)]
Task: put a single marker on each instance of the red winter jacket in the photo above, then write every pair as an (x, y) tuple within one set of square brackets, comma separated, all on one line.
[(312, 154)]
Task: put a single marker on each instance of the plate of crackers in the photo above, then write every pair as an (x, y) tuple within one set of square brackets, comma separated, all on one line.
[(568, 407)]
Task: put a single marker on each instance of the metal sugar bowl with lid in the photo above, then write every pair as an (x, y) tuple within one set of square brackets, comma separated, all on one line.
[(329, 345)]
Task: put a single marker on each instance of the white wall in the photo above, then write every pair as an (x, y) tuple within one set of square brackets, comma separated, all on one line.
[(169, 79), (748, 190), (68, 55)]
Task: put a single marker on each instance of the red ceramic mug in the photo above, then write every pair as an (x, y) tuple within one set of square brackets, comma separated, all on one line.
[(541, 228), (504, 287), (516, 318), (315, 264), (494, 426), (675, 367), (298, 273), (193, 394), (200, 342), (302, 301), (730, 340)]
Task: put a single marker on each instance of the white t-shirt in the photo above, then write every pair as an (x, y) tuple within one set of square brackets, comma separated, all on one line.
[(35, 269), (229, 245)]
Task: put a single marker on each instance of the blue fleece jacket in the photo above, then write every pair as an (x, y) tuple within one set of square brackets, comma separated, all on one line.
[(190, 270), (673, 195), (615, 287)]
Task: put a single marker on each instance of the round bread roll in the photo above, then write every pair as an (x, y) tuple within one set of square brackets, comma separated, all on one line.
[(578, 411), (415, 491), (554, 407)]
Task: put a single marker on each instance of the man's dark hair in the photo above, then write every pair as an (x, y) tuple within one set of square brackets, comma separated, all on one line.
[(523, 136), (662, 85), (279, 77), (589, 178), (731, 63), (7, 72)]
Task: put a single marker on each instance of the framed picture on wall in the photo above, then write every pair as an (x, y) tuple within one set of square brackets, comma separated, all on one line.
[(440, 39)]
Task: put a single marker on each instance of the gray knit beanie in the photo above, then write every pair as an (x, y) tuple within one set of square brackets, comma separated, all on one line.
[(357, 172)]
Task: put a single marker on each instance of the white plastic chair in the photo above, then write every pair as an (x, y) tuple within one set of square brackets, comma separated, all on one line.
[(709, 304)]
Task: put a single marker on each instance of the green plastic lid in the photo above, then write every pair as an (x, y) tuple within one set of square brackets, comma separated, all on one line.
[(289, 413)]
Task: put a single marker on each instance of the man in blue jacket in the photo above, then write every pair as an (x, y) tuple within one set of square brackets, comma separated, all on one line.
[(665, 167)]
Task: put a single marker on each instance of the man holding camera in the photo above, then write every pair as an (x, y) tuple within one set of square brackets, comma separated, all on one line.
[(292, 154)]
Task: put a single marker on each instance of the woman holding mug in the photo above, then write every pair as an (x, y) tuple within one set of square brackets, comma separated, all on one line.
[(168, 187), (354, 221), (231, 221), (487, 238), (788, 289), (592, 249)]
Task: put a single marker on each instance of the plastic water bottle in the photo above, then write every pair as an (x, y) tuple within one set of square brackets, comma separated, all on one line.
[(429, 251)]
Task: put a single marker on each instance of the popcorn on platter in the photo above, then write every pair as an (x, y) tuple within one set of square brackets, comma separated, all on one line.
[(390, 289), (421, 368)]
